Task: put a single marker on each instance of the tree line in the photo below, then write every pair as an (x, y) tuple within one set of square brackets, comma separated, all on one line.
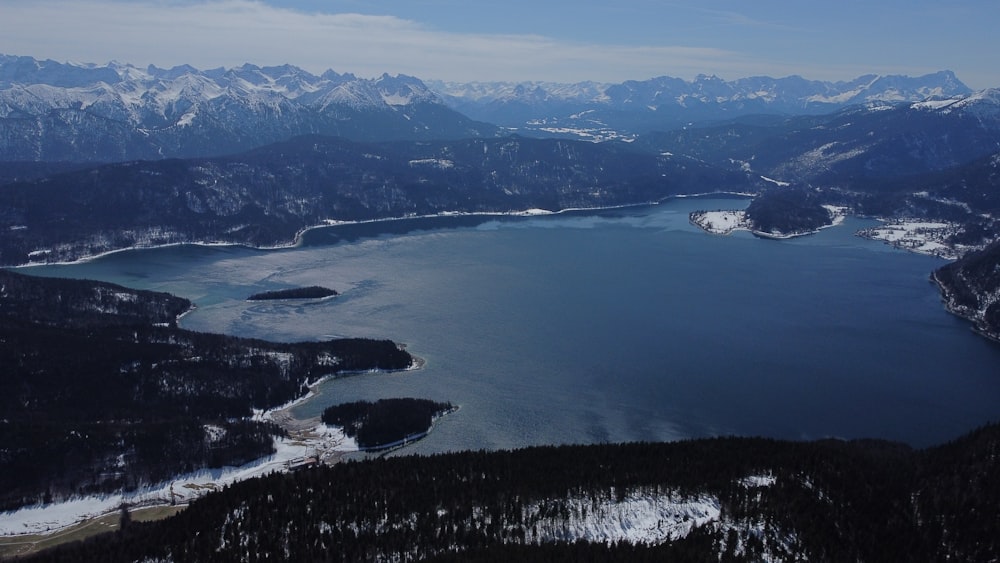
[(826, 500)]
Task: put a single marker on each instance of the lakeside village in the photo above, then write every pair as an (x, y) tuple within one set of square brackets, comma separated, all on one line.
[(924, 237)]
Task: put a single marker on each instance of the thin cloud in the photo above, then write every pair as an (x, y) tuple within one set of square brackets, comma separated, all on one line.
[(729, 17), (231, 32)]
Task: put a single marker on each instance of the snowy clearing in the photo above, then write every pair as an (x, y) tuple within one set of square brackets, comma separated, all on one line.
[(638, 518)]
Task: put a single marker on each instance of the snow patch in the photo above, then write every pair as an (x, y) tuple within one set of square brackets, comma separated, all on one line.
[(775, 182), (443, 164), (214, 433), (646, 518), (757, 481), (721, 222), (397, 99)]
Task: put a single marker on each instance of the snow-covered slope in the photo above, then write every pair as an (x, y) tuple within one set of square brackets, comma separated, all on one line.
[(70, 111), (85, 112)]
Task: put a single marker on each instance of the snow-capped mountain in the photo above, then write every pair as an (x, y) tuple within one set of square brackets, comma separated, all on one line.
[(66, 111), (603, 110), (53, 111)]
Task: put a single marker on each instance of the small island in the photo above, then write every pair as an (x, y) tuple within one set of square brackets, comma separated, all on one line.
[(311, 292), (386, 423)]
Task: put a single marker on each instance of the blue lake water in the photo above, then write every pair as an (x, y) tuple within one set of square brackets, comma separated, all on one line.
[(618, 325)]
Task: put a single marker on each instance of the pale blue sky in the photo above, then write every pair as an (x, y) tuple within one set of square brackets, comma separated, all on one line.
[(556, 40)]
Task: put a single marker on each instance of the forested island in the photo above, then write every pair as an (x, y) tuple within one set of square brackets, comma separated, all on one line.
[(385, 423), (720, 499), (782, 212), (311, 292), (156, 401)]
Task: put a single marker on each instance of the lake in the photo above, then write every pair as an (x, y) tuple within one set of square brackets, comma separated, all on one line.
[(609, 326)]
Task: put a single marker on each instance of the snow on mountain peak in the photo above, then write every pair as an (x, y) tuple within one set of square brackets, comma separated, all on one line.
[(123, 91)]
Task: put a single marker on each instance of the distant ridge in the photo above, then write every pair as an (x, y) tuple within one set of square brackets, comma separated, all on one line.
[(666, 102), (84, 112), (51, 111)]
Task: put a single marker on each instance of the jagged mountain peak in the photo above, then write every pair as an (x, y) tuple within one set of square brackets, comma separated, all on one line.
[(26, 70), (159, 73), (402, 90), (65, 111)]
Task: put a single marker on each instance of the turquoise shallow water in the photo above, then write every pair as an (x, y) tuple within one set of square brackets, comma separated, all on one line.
[(612, 326)]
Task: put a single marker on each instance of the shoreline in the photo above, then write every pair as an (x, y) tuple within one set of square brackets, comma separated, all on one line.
[(964, 313), (308, 439), (297, 238)]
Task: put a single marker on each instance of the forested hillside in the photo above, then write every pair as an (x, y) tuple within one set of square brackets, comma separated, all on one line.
[(100, 390), (267, 196), (971, 288), (728, 499)]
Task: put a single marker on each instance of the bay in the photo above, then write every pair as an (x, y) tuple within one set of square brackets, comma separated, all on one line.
[(608, 326)]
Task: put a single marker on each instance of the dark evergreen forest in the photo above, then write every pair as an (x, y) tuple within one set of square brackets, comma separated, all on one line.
[(100, 390), (827, 500), (970, 287), (311, 292), (384, 422), (788, 211)]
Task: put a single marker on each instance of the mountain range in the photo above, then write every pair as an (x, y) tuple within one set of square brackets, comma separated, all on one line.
[(601, 111), (52, 111)]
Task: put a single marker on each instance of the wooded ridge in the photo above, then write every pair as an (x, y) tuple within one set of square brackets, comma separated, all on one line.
[(728, 499)]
